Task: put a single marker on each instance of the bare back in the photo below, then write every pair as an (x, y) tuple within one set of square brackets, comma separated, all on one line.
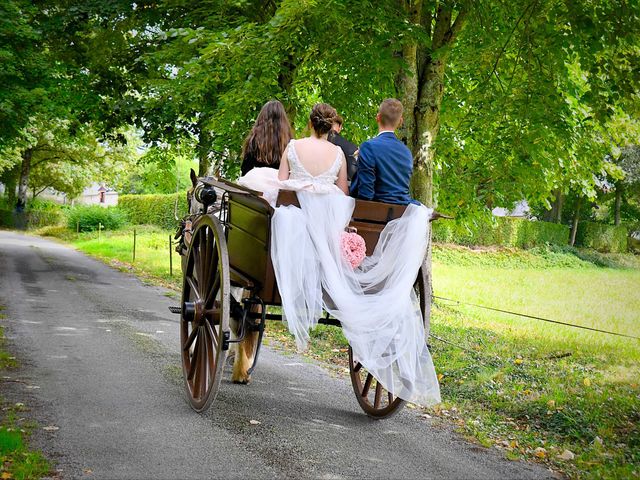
[(317, 157)]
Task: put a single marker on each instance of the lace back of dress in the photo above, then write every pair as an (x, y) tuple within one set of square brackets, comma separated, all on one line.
[(297, 171)]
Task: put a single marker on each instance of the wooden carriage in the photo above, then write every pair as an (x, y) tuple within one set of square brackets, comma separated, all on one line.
[(231, 248)]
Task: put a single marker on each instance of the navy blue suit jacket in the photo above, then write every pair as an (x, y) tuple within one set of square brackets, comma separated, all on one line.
[(384, 170)]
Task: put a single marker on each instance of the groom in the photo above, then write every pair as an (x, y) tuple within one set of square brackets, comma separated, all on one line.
[(385, 163)]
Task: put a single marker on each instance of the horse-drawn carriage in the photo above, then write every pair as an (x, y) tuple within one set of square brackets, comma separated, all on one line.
[(229, 247)]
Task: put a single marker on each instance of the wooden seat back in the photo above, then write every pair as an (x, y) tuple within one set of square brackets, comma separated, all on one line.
[(369, 218), (248, 236)]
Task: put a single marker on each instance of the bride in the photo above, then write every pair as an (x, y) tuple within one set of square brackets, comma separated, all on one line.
[(375, 302)]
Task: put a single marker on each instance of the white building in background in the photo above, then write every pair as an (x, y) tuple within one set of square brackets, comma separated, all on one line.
[(96, 194)]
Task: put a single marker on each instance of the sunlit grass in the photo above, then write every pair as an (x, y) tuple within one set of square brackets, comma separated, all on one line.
[(152, 251), (603, 298), (524, 384)]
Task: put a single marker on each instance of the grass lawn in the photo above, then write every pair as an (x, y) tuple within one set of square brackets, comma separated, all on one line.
[(540, 391), (567, 396)]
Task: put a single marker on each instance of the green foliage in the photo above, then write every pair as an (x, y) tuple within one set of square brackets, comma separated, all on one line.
[(40, 213), (529, 92), (160, 170), (87, 218), (6, 216), (154, 209), (543, 257), (500, 231), (540, 257), (26, 68), (603, 238)]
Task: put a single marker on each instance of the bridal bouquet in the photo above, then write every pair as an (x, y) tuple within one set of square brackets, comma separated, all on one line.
[(353, 248)]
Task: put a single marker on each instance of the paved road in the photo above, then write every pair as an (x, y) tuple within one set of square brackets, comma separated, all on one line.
[(102, 350)]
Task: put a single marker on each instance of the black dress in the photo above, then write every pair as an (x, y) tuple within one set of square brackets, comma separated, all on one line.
[(249, 162), (348, 148)]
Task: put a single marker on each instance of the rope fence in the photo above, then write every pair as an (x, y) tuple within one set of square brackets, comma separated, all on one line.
[(534, 317)]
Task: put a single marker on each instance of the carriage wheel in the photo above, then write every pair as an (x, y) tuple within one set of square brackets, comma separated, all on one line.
[(374, 399), (204, 321)]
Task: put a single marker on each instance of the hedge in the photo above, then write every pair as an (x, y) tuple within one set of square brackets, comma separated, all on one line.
[(602, 237), (500, 231), (88, 218), (153, 209), (39, 214)]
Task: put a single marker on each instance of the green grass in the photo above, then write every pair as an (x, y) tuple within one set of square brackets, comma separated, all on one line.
[(16, 459), (524, 384), (531, 388), (603, 298), (6, 359)]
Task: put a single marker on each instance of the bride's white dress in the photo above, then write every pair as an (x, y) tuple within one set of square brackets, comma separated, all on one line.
[(375, 303)]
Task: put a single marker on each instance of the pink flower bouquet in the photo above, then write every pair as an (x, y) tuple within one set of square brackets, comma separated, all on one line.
[(353, 248)]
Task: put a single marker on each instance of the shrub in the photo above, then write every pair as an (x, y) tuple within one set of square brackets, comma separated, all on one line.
[(154, 209), (42, 213), (602, 237), (500, 231), (39, 213), (88, 217), (6, 216)]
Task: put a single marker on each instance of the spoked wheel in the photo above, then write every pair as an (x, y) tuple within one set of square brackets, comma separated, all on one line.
[(373, 397), (204, 321)]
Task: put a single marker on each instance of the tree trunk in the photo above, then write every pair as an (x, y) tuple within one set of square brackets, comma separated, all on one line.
[(285, 82), (554, 215), (10, 180), (559, 206), (23, 184), (618, 204), (420, 86), (574, 224), (427, 126)]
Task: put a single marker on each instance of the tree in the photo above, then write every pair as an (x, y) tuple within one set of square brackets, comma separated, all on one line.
[(26, 70), (514, 96), (161, 169), (629, 163)]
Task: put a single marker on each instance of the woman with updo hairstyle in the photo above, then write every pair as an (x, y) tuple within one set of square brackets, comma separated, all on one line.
[(312, 163), (314, 157), (268, 138)]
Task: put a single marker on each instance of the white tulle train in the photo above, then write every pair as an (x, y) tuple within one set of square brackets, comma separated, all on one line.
[(375, 303)]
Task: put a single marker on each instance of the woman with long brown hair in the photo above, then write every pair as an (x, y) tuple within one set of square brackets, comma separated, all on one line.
[(268, 138)]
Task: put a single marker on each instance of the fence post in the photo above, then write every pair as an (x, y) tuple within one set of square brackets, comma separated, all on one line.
[(170, 258), (134, 246), (99, 230)]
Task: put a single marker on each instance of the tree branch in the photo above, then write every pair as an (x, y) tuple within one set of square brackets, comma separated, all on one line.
[(42, 190), (45, 160), (458, 23), (504, 46), (443, 25)]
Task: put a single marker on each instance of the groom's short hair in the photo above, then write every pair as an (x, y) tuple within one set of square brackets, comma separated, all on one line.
[(390, 112)]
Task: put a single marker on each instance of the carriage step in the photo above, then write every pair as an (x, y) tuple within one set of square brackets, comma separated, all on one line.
[(174, 309)]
